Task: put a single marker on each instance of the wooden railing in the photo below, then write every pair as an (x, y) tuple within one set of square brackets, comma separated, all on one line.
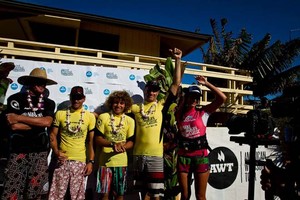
[(232, 79)]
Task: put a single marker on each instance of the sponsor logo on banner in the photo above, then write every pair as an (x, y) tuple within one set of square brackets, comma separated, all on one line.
[(88, 91), (49, 70), (66, 72), (132, 77), (106, 92), (223, 168), (62, 89), (14, 86), (111, 75), (89, 74), (18, 68)]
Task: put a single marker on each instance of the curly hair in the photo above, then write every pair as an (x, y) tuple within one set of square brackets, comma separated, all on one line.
[(119, 95)]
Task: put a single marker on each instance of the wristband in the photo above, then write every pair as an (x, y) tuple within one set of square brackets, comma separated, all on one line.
[(92, 161)]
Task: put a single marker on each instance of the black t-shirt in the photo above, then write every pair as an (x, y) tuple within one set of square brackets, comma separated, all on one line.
[(36, 139)]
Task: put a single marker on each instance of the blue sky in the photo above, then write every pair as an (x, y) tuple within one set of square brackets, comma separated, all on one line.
[(280, 18)]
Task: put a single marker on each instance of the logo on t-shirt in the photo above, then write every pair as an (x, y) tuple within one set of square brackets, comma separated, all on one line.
[(224, 168), (15, 105)]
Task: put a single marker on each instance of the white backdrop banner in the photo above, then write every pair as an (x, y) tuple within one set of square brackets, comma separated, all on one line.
[(98, 82)]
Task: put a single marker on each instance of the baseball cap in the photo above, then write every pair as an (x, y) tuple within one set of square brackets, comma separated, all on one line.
[(77, 92), (154, 85), (195, 89)]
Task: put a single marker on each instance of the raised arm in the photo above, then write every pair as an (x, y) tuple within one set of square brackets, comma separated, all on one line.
[(178, 72), (220, 96)]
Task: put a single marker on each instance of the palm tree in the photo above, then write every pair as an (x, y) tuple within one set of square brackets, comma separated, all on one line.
[(270, 64)]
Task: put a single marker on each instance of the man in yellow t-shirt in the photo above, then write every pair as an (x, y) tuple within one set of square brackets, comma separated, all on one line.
[(74, 126), (148, 147), (114, 134)]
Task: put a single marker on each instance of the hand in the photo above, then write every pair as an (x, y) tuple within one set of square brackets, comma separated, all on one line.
[(177, 53), (119, 147), (201, 80), (12, 118), (61, 156), (88, 169), (273, 180)]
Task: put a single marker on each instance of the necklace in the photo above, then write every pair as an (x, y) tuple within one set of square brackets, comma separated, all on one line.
[(149, 112), (112, 120), (40, 105), (78, 125)]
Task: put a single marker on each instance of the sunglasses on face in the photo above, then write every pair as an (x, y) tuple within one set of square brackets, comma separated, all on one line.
[(76, 97), (152, 90)]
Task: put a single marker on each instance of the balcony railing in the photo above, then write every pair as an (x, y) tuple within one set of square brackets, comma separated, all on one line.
[(232, 79)]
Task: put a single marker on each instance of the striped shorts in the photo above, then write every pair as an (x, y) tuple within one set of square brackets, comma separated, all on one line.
[(111, 179), (149, 173)]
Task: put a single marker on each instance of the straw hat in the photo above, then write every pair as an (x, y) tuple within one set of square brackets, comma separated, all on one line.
[(36, 74)]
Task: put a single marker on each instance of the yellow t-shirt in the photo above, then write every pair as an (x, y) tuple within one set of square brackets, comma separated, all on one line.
[(107, 156), (74, 143), (147, 139)]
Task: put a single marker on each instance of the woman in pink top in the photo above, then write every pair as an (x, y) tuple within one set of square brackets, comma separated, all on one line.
[(193, 153)]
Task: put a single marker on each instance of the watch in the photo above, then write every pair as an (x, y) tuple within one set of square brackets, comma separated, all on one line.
[(112, 144), (92, 161)]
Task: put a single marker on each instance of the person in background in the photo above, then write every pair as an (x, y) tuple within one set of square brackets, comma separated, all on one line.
[(114, 133), (148, 161), (192, 143), (72, 127), (5, 68), (28, 115)]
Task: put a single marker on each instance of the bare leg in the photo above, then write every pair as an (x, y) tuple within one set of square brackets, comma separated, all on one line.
[(201, 180), (184, 185)]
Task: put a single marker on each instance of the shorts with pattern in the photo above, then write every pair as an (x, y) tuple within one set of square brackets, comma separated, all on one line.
[(26, 176), (68, 174), (149, 173), (198, 164), (111, 179)]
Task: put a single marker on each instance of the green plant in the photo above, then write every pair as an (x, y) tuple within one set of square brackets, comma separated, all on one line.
[(163, 75)]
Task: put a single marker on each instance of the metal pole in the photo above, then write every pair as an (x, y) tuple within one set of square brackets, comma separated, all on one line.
[(252, 163)]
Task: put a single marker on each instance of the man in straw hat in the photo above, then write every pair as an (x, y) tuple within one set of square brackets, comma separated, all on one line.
[(28, 115)]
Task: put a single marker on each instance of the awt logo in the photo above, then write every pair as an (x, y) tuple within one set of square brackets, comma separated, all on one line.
[(223, 168)]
